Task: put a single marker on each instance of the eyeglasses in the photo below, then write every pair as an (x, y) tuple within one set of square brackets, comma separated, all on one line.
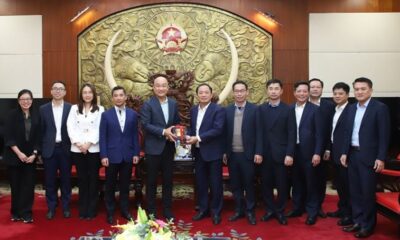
[(25, 99), (57, 89), (240, 91)]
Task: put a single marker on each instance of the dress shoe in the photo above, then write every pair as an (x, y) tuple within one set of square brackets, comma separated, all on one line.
[(321, 213), (235, 217), (293, 213), (216, 219), (67, 213), (311, 220), (267, 216), (127, 216), (281, 219), (363, 233), (251, 218), (168, 215), (335, 214), (50, 214), (346, 221), (27, 220), (199, 216), (15, 218), (352, 228), (110, 219)]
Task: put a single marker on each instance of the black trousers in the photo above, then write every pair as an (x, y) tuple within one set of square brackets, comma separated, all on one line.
[(321, 184), (22, 182), (342, 186), (120, 172), (87, 167), (160, 163), (241, 178)]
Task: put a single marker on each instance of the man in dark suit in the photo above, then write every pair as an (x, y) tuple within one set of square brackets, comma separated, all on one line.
[(279, 139), (56, 149), (326, 109), (243, 150), (119, 150), (337, 136), (307, 155), (206, 136), (158, 116), (365, 152)]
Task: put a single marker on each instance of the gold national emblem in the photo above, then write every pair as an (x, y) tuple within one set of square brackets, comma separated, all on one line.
[(171, 39)]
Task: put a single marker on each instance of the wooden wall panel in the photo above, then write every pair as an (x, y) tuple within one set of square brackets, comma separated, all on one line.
[(290, 46)]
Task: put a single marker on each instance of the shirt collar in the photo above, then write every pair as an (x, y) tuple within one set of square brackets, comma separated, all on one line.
[(205, 108), (365, 104), (121, 108), (61, 105), (241, 107), (274, 105), (301, 106), (341, 107)]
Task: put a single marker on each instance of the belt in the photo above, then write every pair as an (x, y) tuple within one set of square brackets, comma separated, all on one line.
[(355, 148), (58, 144)]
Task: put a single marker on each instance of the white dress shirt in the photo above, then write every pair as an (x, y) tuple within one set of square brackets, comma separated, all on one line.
[(200, 116), (338, 112), (299, 113), (355, 141), (57, 114), (84, 128)]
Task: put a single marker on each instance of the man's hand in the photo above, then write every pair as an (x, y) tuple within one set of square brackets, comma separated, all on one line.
[(288, 161), (191, 139), (316, 159), (327, 155), (22, 157), (258, 159), (104, 162), (379, 165), (169, 135), (31, 158), (343, 160)]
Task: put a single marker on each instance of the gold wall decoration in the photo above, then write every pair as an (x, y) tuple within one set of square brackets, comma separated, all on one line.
[(217, 46)]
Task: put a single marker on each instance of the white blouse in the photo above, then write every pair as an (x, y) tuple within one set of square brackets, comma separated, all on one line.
[(84, 128)]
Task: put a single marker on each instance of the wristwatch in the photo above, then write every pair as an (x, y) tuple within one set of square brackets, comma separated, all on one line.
[(35, 152)]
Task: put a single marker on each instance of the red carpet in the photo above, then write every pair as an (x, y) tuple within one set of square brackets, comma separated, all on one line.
[(61, 228)]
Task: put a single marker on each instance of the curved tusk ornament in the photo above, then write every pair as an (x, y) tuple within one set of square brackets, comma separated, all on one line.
[(107, 62)]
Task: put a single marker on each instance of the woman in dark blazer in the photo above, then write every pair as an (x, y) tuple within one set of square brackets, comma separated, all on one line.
[(21, 147)]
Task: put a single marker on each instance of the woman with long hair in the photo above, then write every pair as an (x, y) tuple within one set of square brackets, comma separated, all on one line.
[(83, 126), (22, 140)]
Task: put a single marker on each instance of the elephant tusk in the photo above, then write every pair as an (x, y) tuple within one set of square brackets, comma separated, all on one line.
[(107, 62)]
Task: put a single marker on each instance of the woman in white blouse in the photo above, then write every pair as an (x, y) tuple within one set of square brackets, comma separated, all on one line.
[(83, 126)]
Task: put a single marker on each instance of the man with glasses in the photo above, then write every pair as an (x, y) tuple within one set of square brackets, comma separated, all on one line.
[(55, 149)]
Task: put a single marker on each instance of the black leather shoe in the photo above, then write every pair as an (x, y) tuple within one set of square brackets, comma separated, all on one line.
[(50, 214), (110, 219), (216, 219), (15, 218), (267, 216), (281, 219), (27, 220), (127, 216), (67, 213), (352, 228), (363, 233), (251, 218), (294, 213), (199, 216), (346, 221), (321, 213), (335, 214), (311, 220), (235, 217)]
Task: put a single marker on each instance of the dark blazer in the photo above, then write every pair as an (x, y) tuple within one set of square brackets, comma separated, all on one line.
[(327, 110), (310, 131), (210, 132), (14, 135), (278, 131), (374, 132), (116, 145), (336, 147), (153, 123), (48, 129), (251, 134)]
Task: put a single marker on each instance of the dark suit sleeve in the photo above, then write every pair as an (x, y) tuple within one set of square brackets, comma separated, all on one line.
[(292, 133), (383, 132), (259, 131), (136, 135), (319, 132), (9, 130), (37, 137), (218, 126), (103, 136), (146, 119), (177, 119)]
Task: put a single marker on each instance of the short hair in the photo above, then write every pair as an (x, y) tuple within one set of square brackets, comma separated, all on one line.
[(239, 82), (25, 91), (81, 102), (316, 80), (272, 81), (363, 80), (297, 84), (117, 88), (152, 78), (59, 81), (203, 84), (341, 85)]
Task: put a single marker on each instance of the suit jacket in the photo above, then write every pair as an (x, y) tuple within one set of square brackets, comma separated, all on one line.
[(210, 132), (48, 129), (310, 131), (251, 135), (116, 145), (327, 110), (336, 147), (374, 132), (14, 135), (278, 130), (153, 123)]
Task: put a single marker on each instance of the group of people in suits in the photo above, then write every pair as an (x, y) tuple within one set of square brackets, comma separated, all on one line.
[(280, 142)]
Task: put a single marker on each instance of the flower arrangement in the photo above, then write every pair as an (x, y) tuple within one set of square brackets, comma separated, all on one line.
[(148, 228)]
